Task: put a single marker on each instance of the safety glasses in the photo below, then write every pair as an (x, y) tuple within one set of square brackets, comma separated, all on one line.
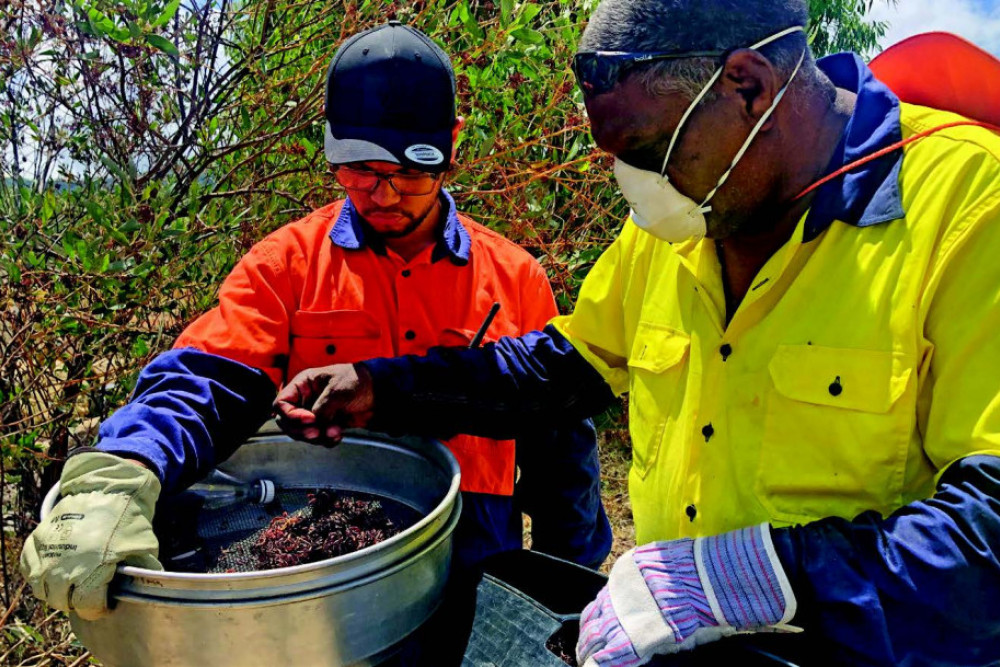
[(599, 71), (365, 180)]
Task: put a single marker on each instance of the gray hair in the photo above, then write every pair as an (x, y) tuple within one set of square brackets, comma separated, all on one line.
[(697, 25)]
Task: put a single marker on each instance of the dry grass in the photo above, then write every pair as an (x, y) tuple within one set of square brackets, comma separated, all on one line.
[(31, 634), (616, 458)]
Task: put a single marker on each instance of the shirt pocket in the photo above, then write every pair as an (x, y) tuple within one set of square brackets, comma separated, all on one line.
[(835, 433), (332, 337), (452, 337), (656, 374), (458, 337)]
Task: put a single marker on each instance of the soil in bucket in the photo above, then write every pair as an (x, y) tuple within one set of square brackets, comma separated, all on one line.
[(563, 643)]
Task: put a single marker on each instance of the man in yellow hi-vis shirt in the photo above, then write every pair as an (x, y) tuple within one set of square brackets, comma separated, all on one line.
[(812, 371)]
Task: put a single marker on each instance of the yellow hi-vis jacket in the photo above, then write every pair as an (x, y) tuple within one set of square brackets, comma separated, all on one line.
[(860, 364)]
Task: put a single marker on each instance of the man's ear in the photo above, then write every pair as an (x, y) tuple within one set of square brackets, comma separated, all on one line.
[(459, 124), (751, 78)]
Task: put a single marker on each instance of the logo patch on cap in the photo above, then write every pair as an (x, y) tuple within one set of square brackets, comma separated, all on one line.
[(424, 154)]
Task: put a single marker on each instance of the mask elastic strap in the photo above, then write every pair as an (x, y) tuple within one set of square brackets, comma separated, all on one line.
[(708, 86), (753, 133), (687, 114), (778, 35)]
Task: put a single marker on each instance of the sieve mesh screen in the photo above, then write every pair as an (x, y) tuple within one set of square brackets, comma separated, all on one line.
[(194, 539)]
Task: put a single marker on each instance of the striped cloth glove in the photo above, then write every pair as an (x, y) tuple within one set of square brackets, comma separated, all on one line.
[(666, 597)]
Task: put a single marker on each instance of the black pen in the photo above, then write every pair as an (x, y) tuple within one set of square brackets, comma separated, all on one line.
[(478, 338)]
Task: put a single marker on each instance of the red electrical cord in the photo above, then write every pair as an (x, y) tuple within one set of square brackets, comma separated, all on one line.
[(889, 149)]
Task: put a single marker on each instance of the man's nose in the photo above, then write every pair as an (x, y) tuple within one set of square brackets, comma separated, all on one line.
[(385, 194)]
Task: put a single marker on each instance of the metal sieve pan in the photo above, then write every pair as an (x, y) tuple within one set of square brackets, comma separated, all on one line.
[(351, 610)]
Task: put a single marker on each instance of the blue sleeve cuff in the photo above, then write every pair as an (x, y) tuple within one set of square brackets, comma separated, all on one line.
[(919, 587), (190, 410)]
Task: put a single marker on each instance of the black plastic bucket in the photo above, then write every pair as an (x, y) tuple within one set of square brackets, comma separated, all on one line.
[(528, 605)]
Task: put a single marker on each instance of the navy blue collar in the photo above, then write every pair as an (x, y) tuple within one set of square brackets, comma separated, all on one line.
[(352, 233), (868, 195)]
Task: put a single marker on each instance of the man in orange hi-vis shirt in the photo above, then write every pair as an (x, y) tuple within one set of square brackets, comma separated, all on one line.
[(392, 269)]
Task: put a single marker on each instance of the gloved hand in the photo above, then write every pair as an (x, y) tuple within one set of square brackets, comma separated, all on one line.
[(666, 597), (104, 518)]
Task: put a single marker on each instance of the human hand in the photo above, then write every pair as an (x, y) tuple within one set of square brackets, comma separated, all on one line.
[(105, 517), (661, 598), (318, 404)]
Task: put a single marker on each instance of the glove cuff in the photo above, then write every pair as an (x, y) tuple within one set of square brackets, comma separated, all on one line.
[(636, 608), (100, 472), (743, 579)]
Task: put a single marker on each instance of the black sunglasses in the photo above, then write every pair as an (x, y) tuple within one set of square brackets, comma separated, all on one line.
[(599, 71)]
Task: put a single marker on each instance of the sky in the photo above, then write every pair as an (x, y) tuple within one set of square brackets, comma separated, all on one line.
[(976, 20)]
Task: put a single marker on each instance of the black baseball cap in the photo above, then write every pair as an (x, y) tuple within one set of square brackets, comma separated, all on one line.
[(390, 96)]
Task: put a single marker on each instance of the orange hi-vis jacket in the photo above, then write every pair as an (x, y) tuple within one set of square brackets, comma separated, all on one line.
[(319, 291)]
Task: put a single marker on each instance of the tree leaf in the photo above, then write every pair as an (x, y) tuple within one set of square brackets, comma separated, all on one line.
[(168, 13), (95, 210), (528, 13), (506, 8), (309, 146), (163, 44), (528, 36), (130, 226), (101, 24), (143, 269)]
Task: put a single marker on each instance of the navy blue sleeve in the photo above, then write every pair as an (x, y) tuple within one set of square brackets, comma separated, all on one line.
[(921, 587), (502, 390), (560, 489), (190, 410)]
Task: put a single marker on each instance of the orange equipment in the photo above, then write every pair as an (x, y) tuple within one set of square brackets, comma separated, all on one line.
[(943, 71)]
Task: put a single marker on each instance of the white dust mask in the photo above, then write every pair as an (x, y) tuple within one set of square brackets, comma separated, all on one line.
[(657, 206)]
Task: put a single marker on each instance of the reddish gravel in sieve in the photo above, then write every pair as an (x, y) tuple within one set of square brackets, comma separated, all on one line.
[(301, 526), (333, 524)]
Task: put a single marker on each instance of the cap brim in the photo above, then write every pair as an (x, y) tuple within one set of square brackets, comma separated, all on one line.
[(342, 151), (394, 146)]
